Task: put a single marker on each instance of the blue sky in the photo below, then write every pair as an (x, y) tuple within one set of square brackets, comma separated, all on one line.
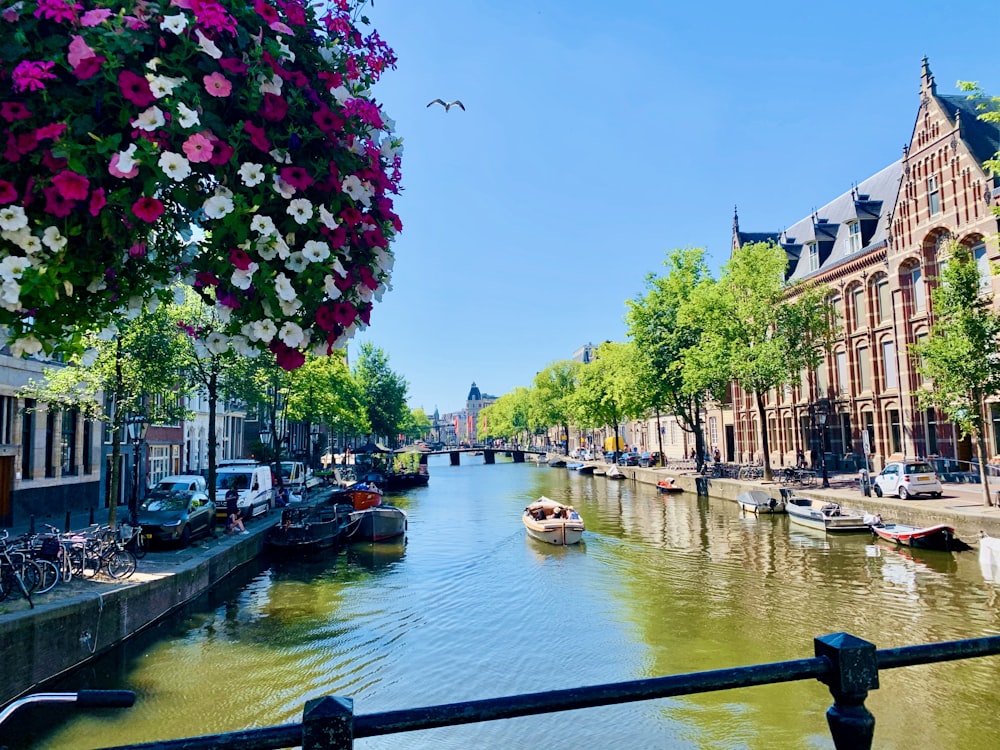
[(597, 137)]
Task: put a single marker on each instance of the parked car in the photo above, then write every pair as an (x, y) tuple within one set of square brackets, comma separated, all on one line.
[(182, 482), (650, 458), (177, 516), (609, 457), (628, 459), (906, 479)]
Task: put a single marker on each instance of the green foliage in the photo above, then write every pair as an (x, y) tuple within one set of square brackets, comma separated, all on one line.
[(509, 416), (606, 391), (383, 390), (416, 424), (552, 402), (323, 391)]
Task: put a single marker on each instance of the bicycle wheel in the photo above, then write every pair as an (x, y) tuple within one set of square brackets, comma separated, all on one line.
[(74, 556), (121, 563), (90, 564), (65, 564), (50, 575), (30, 573), (7, 583), (137, 545)]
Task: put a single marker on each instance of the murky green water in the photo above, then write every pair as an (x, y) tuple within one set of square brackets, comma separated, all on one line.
[(469, 608)]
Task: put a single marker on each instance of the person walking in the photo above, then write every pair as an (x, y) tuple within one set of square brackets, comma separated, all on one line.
[(235, 523)]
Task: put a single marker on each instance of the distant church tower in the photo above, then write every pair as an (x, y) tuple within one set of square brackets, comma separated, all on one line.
[(474, 404)]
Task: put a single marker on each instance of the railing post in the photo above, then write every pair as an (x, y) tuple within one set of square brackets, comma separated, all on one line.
[(855, 672), (328, 724)]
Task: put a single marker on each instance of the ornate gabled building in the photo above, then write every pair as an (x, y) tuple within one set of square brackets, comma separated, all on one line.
[(878, 250)]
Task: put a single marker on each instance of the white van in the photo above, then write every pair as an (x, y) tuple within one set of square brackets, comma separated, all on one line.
[(252, 480), (293, 477)]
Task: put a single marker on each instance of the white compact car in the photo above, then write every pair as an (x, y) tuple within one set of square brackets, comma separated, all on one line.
[(906, 479)]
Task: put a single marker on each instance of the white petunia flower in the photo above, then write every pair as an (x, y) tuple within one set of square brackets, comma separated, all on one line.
[(352, 186), (284, 51), (126, 159), (330, 287), (134, 307), (315, 251), (280, 155), (13, 218), (283, 188), (108, 333), (148, 120), (160, 86), (53, 239), (283, 286), (174, 165), (25, 346), (218, 206), (296, 263), (300, 209), (174, 24), (328, 219), (337, 266), (288, 309), (207, 45), (341, 94), (187, 117), (269, 84), (251, 174), (290, 334), (223, 314), (217, 343), (240, 345), (264, 330), (242, 279), (13, 267), (23, 238), (263, 225)]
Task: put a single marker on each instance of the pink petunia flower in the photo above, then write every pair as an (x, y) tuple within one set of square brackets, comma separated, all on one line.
[(14, 111), (95, 17), (273, 108), (89, 67), (135, 88), (148, 209), (218, 85), (297, 177), (198, 148), (239, 259), (257, 136), (97, 201), (287, 358), (55, 203), (31, 76), (71, 185), (79, 50), (52, 131), (8, 194), (57, 10)]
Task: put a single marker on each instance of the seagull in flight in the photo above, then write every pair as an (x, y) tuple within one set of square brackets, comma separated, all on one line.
[(447, 105)]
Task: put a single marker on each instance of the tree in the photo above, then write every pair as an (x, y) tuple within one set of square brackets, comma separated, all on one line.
[(961, 356), (417, 424), (667, 332), (553, 391), (758, 329), (606, 392), (384, 392), (134, 369), (508, 417)]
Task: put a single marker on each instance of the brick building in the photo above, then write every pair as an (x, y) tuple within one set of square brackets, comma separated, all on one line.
[(878, 249)]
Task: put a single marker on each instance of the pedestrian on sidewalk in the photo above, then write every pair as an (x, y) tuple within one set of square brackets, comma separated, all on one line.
[(234, 524)]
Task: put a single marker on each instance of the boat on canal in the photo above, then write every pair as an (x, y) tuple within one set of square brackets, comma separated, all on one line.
[(826, 516), (758, 501), (364, 495), (614, 472), (669, 486), (308, 529), (377, 523), (549, 521), (939, 537)]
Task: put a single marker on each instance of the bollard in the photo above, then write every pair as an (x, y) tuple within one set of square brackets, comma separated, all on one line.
[(328, 724), (67, 521), (31, 525), (91, 521), (855, 672)]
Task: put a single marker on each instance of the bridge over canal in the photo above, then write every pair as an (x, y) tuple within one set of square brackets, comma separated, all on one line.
[(489, 454)]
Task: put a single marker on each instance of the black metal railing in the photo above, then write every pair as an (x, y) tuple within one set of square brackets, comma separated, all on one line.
[(848, 665)]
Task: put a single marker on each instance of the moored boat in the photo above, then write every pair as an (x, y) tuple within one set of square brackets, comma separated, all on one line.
[(939, 537), (378, 523), (364, 495), (614, 472), (307, 529), (825, 516), (758, 501), (668, 485), (586, 469), (549, 521)]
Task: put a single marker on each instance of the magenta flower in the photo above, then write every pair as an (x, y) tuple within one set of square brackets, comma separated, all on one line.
[(239, 259), (89, 67), (297, 177), (233, 65), (266, 11), (8, 194), (274, 108), (222, 152), (71, 185), (57, 10), (204, 278), (53, 130), (344, 313), (287, 358), (31, 76), (97, 201), (148, 209), (324, 318), (56, 204), (135, 88), (327, 121), (217, 84), (138, 250), (198, 148), (14, 111), (257, 136)]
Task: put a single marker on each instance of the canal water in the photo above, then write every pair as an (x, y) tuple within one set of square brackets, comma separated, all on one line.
[(470, 608)]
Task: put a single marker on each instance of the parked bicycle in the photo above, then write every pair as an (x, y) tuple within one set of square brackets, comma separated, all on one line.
[(104, 552), (13, 568)]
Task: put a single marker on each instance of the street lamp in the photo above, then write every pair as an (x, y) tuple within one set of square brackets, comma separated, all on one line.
[(821, 418), (136, 425), (314, 435)]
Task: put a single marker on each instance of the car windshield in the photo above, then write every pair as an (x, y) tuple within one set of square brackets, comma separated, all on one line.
[(167, 501), (232, 480), (174, 486), (923, 468)]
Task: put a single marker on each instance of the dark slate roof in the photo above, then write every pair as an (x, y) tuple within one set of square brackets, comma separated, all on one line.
[(983, 138), (746, 238), (828, 225)]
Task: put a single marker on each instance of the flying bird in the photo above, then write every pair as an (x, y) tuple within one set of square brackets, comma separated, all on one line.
[(447, 105)]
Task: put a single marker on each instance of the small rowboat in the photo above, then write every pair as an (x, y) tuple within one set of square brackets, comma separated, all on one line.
[(758, 501), (552, 522), (940, 537), (668, 485)]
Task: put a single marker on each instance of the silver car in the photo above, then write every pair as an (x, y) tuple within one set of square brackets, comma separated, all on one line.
[(176, 516), (906, 479)]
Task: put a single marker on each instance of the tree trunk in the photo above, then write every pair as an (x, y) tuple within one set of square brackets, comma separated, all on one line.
[(213, 439), (659, 439), (765, 448), (116, 438)]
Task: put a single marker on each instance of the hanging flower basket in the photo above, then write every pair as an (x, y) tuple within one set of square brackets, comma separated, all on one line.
[(234, 147)]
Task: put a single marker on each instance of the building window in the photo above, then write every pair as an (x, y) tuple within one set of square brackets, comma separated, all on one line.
[(858, 303), (920, 362), (713, 430), (895, 431), (50, 439), (159, 463), (27, 438), (813, 249), (883, 308), (932, 442), (868, 420), (985, 270), (67, 446), (995, 418), (88, 438), (933, 195), (854, 236), (889, 364), (864, 369), (842, 379), (919, 292), (821, 381)]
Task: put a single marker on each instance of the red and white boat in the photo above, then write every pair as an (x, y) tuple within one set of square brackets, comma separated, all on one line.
[(668, 485), (940, 537)]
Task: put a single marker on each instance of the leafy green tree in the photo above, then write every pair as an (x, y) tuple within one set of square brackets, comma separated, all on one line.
[(508, 417), (960, 356), (553, 390), (135, 367), (384, 392), (606, 392), (417, 424), (758, 329), (667, 332)]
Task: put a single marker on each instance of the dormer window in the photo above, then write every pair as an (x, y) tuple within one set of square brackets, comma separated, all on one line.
[(933, 195), (854, 236), (813, 248)]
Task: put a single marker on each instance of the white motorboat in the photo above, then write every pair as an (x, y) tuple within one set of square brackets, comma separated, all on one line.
[(758, 501), (826, 516), (552, 522)]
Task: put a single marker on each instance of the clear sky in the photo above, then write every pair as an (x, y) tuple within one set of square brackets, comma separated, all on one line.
[(597, 137)]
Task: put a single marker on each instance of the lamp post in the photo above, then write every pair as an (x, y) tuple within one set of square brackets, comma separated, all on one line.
[(314, 435), (137, 425), (821, 418)]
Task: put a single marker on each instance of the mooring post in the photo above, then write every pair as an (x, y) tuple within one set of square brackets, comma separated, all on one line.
[(489, 457), (855, 672), (328, 724), (453, 458)]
